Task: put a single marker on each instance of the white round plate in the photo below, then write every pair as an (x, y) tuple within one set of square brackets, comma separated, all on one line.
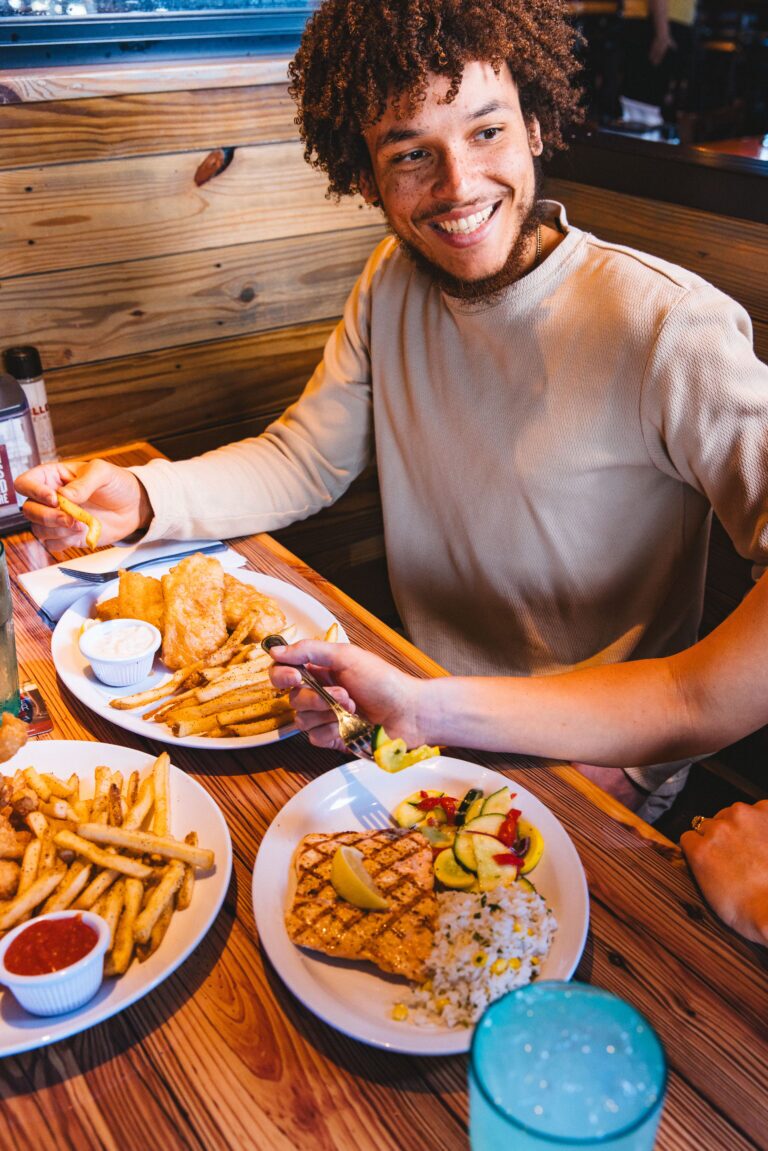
[(356, 998), (309, 616), (192, 809)]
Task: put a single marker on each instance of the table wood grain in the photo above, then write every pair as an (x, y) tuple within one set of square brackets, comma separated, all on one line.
[(221, 1056)]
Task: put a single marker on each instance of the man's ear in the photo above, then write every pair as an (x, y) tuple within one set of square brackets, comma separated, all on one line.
[(368, 188), (534, 136)]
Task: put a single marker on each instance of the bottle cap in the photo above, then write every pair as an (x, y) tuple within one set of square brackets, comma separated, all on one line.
[(23, 363), (13, 402)]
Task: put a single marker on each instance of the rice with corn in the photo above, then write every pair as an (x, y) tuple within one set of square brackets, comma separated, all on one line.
[(485, 945)]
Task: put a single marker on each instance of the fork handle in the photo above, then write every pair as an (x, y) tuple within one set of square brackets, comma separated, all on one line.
[(271, 641), (218, 547)]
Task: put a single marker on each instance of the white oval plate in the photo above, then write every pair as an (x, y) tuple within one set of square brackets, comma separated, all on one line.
[(192, 808), (309, 616), (356, 998)]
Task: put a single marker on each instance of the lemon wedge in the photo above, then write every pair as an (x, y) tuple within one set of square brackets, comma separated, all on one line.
[(352, 882)]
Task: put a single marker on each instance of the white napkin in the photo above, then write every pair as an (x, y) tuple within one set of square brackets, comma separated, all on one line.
[(53, 592)]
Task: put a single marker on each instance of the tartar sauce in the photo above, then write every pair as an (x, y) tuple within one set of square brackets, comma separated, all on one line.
[(122, 642)]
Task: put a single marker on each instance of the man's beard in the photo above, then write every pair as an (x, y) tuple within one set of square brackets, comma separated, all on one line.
[(489, 286)]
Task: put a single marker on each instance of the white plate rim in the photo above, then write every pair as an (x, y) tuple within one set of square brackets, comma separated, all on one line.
[(295, 965), (28, 1032), (72, 667)]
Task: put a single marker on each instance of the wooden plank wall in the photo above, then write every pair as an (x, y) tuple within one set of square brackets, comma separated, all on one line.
[(170, 307)]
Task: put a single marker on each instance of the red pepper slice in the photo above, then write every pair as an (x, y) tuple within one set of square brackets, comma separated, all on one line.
[(509, 857), (448, 804), (507, 833)]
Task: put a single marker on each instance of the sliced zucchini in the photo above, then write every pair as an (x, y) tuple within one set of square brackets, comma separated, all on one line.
[(527, 884), (379, 737), (390, 756), (464, 850), (419, 754), (475, 808), (535, 849), (490, 872), (439, 837), (485, 825), (467, 800), (406, 815), (450, 873), (498, 803)]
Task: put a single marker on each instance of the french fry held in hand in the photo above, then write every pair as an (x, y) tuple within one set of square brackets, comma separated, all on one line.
[(83, 517), (120, 860)]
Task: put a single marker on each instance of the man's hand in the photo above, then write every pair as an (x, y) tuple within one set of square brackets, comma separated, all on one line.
[(358, 680), (112, 494), (728, 855), (662, 43)]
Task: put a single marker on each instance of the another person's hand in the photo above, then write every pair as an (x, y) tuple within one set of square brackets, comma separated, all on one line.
[(359, 681), (728, 855), (110, 493), (661, 44)]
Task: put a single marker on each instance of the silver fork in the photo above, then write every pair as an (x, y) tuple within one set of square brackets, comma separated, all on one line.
[(356, 732), (105, 577)]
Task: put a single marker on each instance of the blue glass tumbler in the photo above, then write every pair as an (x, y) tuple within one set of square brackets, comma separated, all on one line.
[(9, 669), (557, 1065)]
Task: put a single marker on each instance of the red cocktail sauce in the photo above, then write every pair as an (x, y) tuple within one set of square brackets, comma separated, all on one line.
[(50, 945)]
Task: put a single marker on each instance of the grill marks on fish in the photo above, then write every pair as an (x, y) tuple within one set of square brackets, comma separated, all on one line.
[(398, 940)]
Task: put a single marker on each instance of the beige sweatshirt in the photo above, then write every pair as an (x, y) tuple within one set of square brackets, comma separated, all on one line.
[(547, 459)]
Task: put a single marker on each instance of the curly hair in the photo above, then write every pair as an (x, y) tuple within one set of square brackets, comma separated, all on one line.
[(355, 55)]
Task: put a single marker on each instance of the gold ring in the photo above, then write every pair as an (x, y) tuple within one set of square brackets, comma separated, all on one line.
[(696, 823)]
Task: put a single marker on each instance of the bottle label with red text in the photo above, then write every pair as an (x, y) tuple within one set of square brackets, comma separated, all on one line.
[(7, 490)]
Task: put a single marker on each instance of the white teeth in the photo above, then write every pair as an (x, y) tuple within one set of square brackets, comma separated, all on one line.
[(467, 224)]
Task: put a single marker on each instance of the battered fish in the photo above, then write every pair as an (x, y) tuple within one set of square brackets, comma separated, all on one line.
[(398, 940), (194, 623), (138, 597), (240, 599)]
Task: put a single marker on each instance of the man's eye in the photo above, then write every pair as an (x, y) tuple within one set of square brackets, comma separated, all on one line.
[(489, 133), (409, 157)]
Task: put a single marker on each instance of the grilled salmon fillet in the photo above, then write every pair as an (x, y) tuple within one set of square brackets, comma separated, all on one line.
[(398, 940)]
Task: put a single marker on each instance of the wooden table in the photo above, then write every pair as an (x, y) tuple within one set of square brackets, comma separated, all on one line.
[(222, 1056)]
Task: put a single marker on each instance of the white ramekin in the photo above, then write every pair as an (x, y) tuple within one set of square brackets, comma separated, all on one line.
[(119, 671), (57, 992)]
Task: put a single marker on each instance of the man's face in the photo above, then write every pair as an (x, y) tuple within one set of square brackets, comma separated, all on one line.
[(457, 181)]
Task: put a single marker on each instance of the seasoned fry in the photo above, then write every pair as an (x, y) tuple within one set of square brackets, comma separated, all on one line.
[(37, 783), (247, 714), (114, 806), (37, 823), (89, 851), (70, 887), (259, 726), (95, 889), (118, 959), (127, 702), (131, 789), (29, 865), (158, 901), (332, 634), (144, 950), (83, 517), (184, 896), (161, 819), (111, 906), (21, 905), (146, 842), (58, 788)]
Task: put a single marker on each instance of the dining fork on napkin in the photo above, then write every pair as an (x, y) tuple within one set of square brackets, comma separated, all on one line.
[(53, 591)]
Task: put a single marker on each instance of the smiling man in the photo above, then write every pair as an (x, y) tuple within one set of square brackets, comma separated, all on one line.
[(553, 416)]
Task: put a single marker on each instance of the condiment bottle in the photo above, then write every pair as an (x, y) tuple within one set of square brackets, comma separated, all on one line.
[(18, 451), (24, 365), (9, 670)]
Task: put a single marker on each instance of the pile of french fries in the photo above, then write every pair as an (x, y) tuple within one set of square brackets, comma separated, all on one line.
[(112, 854), (228, 693)]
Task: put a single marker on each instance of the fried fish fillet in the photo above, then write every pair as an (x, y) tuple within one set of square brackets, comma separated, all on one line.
[(139, 597), (194, 623), (398, 940), (241, 598)]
